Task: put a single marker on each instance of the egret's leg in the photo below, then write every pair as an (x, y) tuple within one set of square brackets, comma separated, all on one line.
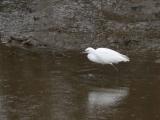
[(114, 67)]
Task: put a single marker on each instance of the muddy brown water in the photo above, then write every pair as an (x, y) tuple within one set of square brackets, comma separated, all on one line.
[(48, 86)]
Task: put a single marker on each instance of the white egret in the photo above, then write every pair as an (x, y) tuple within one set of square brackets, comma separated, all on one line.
[(105, 56)]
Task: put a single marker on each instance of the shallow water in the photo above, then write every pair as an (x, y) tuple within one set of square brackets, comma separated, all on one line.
[(48, 86)]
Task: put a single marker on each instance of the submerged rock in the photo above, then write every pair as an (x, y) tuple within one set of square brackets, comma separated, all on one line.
[(77, 24)]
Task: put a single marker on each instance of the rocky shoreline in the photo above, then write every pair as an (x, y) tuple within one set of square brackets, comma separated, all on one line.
[(71, 24)]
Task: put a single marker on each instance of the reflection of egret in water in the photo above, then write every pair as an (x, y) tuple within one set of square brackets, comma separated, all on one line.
[(101, 102), (106, 97)]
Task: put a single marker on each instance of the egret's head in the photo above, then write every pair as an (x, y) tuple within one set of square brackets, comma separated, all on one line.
[(89, 50)]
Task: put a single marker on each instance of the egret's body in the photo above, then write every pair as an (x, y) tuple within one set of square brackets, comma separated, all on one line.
[(105, 56)]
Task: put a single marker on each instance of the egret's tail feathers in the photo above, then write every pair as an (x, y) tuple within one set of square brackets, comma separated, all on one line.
[(125, 58)]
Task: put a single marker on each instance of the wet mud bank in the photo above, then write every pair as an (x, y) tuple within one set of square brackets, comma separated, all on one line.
[(77, 24)]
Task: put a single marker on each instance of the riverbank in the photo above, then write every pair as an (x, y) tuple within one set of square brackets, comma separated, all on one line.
[(74, 25)]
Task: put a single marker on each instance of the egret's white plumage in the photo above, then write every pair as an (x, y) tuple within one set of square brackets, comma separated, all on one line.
[(105, 56)]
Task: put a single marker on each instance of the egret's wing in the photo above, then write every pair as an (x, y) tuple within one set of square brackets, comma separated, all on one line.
[(116, 53), (110, 56)]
